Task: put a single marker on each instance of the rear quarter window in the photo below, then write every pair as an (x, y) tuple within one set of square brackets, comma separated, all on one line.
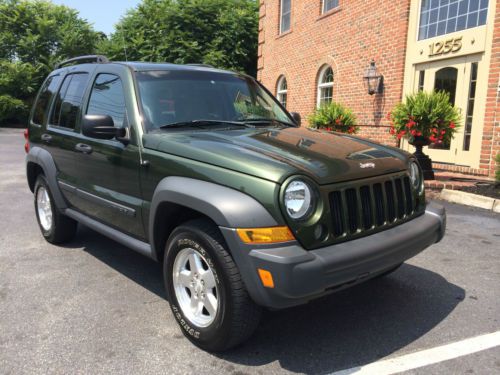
[(47, 92)]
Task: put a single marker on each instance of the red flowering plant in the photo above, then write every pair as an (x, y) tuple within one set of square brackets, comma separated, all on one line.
[(334, 117), (428, 115)]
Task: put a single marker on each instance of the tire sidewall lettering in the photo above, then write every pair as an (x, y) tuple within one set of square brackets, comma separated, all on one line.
[(183, 323), (184, 241), (189, 243)]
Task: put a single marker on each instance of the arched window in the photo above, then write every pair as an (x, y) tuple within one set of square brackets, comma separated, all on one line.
[(325, 85), (282, 90), (446, 80)]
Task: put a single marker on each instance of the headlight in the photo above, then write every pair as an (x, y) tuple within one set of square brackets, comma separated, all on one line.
[(298, 200), (415, 176)]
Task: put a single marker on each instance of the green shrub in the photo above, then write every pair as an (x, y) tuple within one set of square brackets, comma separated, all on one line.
[(425, 114), (334, 117), (12, 109)]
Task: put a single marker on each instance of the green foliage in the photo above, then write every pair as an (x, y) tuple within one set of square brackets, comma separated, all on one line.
[(334, 117), (425, 114), (41, 32), (222, 33), (19, 79), (34, 36), (18, 85), (12, 109), (497, 174)]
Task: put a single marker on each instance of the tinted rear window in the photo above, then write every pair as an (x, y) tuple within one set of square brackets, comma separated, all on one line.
[(67, 107), (47, 92)]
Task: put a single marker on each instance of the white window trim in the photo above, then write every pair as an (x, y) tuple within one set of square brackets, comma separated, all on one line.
[(280, 91), (281, 17), (323, 85), (323, 10)]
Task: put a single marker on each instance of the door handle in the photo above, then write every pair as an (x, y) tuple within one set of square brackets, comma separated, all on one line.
[(46, 138), (83, 148)]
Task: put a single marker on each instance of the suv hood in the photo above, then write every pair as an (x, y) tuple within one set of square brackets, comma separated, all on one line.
[(277, 153)]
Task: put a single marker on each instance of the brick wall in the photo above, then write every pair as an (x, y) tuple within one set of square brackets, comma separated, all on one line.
[(347, 39), (490, 146)]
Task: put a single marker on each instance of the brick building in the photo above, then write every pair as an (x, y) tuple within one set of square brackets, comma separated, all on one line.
[(315, 51)]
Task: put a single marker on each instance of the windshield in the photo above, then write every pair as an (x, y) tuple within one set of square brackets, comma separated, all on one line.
[(182, 96)]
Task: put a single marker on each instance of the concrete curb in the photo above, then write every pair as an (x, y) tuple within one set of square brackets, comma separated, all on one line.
[(469, 199)]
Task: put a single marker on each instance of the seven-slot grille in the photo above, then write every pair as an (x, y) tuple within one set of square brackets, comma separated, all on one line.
[(370, 205)]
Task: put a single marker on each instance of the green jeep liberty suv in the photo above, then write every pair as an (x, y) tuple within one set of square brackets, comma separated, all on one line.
[(203, 170)]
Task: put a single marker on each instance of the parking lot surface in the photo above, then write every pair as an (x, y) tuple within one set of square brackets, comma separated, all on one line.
[(94, 306)]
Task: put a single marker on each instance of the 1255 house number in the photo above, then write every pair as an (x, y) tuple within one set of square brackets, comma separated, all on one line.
[(444, 47)]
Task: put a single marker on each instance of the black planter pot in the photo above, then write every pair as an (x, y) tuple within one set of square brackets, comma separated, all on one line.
[(424, 161)]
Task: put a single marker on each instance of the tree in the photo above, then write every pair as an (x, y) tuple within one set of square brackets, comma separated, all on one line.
[(34, 36), (18, 83), (223, 33)]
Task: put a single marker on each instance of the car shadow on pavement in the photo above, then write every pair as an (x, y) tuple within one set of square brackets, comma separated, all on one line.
[(136, 267), (346, 329), (353, 327)]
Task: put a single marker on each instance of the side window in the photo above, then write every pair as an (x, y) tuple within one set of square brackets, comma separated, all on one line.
[(285, 15), (67, 107), (329, 5), (107, 98), (47, 92)]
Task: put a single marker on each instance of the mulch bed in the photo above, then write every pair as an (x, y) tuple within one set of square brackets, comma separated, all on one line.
[(489, 189)]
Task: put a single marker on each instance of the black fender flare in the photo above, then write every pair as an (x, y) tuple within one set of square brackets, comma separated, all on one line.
[(227, 207), (44, 160)]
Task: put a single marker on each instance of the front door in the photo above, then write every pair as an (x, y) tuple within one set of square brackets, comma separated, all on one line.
[(108, 170), (458, 77)]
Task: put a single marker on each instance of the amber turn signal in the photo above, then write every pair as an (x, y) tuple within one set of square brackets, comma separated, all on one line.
[(266, 277), (265, 235)]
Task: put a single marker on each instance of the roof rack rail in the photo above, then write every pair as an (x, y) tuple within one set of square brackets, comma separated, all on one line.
[(83, 59), (201, 65)]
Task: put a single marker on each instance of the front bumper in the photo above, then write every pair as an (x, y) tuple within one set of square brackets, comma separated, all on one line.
[(300, 275)]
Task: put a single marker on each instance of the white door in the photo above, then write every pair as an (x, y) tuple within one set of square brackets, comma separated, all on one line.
[(458, 77)]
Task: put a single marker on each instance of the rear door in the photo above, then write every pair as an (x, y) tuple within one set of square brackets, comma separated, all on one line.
[(61, 135), (108, 171)]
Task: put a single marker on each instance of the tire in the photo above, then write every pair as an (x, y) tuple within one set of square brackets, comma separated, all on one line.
[(58, 228), (236, 316)]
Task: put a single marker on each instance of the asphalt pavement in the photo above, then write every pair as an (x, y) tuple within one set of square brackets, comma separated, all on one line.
[(94, 306)]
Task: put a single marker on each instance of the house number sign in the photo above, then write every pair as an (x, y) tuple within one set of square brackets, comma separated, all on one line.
[(444, 47)]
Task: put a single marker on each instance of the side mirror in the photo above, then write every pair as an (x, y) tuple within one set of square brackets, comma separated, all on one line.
[(296, 117), (101, 127)]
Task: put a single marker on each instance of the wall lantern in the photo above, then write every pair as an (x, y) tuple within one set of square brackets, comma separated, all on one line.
[(374, 82)]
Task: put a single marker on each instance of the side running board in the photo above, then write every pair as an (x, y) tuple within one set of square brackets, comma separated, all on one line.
[(141, 247)]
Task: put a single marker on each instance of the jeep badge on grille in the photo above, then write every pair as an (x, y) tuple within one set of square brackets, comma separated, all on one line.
[(367, 165)]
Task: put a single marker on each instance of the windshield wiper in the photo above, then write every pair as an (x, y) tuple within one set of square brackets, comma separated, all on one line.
[(181, 124), (266, 120)]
